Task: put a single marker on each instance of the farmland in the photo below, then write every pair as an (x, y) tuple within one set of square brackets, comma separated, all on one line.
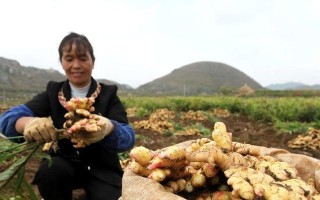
[(266, 117), (264, 121)]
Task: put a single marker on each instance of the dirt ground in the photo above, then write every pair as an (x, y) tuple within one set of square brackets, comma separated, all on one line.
[(242, 128)]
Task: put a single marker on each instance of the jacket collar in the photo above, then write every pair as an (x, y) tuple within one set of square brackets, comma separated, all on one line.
[(67, 89)]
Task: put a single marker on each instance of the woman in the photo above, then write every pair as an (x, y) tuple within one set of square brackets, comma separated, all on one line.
[(96, 167)]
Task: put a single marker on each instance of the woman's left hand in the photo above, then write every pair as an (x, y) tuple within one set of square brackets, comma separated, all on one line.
[(84, 138)]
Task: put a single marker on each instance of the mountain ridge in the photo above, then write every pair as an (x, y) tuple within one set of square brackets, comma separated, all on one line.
[(14, 76), (198, 78), (291, 85), (204, 77)]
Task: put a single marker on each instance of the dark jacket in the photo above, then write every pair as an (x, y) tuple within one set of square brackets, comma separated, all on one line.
[(105, 164)]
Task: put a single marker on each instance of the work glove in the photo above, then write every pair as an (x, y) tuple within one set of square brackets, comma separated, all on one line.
[(40, 130), (88, 134)]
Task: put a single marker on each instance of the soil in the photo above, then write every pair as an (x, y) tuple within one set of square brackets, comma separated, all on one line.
[(243, 130)]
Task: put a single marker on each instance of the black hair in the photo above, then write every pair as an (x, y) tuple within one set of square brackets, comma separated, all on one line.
[(81, 42)]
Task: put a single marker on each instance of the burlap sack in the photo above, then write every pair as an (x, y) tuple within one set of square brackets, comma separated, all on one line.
[(135, 187)]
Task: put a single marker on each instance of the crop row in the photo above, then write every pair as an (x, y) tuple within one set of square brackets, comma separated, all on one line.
[(291, 114)]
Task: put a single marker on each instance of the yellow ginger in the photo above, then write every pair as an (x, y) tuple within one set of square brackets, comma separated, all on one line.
[(246, 149), (278, 170), (159, 174), (173, 153), (139, 169), (244, 180), (177, 185), (222, 137), (172, 156), (250, 175), (80, 103), (80, 120), (198, 179), (142, 155)]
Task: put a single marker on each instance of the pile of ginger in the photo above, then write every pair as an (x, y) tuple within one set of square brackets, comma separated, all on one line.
[(192, 165)]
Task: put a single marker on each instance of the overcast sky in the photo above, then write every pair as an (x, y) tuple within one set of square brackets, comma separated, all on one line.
[(137, 41)]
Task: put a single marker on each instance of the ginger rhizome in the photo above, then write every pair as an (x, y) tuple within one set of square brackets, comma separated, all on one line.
[(197, 164), (79, 118)]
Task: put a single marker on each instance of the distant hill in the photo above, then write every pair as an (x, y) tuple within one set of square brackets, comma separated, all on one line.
[(293, 86), (197, 79), (14, 77)]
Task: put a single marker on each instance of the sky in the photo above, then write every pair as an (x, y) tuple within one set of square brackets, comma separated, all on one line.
[(137, 41)]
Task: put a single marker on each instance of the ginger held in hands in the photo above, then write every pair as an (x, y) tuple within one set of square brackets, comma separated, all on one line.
[(90, 132), (84, 128)]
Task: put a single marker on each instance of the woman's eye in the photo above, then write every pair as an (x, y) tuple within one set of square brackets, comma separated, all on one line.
[(83, 58), (68, 58)]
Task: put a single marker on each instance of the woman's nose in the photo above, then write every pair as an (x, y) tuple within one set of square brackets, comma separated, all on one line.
[(76, 64)]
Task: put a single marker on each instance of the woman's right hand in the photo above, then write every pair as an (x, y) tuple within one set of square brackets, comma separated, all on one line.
[(40, 130)]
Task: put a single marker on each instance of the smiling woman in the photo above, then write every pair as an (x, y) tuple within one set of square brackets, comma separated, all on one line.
[(94, 167), (77, 59)]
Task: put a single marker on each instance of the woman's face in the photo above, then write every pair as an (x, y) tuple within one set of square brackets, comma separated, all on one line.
[(77, 65)]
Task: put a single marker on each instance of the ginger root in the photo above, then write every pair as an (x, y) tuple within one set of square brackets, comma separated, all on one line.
[(222, 137), (79, 118), (248, 174)]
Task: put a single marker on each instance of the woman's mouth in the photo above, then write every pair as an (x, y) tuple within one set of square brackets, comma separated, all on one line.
[(76, 74)]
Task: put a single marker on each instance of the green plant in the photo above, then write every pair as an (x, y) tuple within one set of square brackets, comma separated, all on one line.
[(123, 155), (205, 131), (142, 112), (177, 126), (292, 127), (13, 160), (211, 118)]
